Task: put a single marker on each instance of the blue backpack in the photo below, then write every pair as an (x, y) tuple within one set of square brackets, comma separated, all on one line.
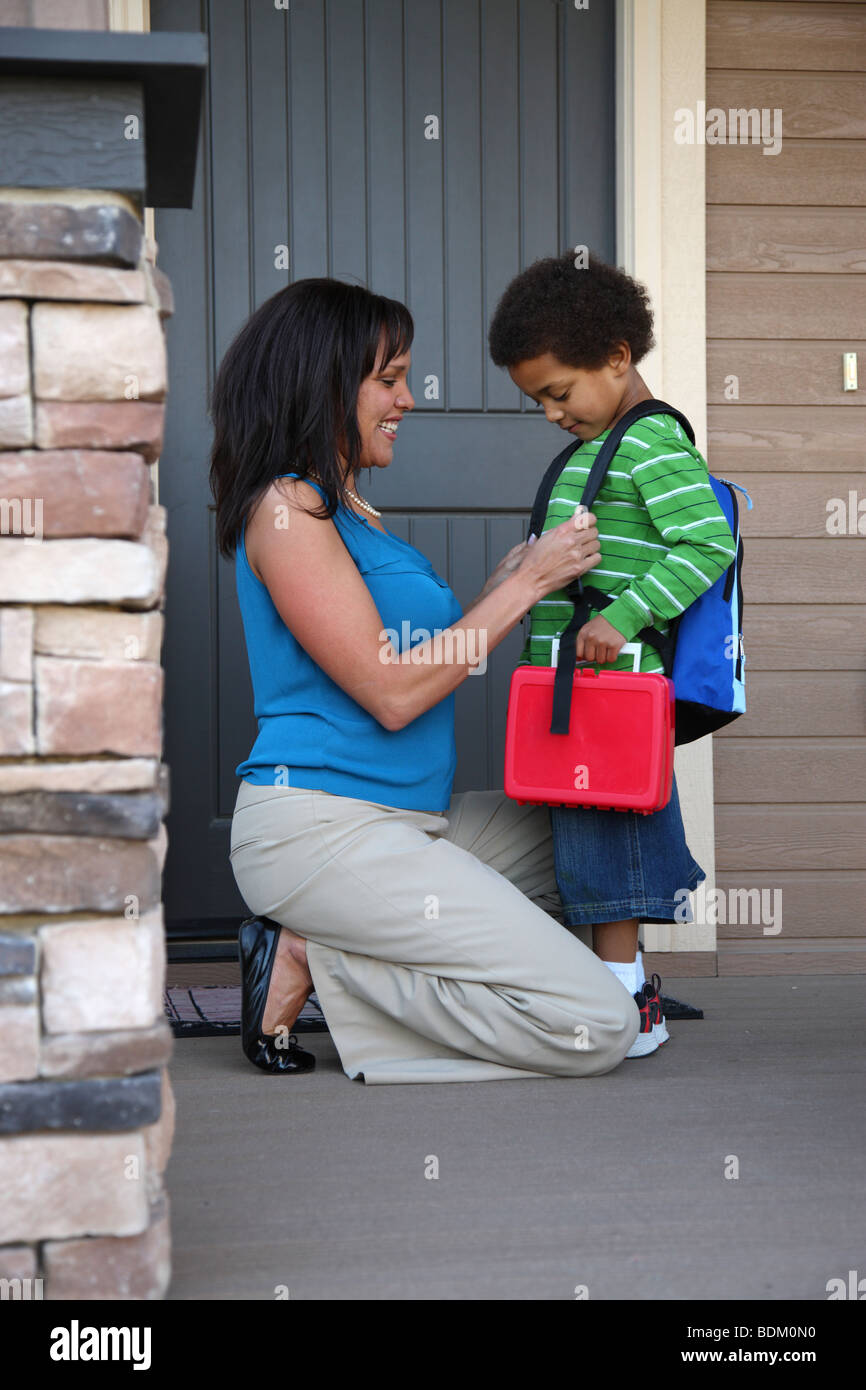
[(703, 652)]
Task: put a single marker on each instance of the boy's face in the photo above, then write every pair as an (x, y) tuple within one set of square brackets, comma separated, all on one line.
[(581, 400)]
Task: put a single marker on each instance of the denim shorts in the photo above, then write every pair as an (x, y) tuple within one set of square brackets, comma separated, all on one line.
[(614, 865)]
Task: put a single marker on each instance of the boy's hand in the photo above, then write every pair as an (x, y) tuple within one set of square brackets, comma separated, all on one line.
[(598, 640)]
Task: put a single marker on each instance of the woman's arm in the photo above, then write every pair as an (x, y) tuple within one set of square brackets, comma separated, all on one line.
[(507, 565), (321, 597)]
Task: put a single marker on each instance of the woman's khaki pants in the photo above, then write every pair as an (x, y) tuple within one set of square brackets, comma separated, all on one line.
[(430, 948)]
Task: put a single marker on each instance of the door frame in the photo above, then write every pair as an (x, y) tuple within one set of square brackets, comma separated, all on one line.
[(661, 239)]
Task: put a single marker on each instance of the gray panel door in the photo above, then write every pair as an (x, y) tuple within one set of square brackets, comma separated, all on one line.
[(429, 149)]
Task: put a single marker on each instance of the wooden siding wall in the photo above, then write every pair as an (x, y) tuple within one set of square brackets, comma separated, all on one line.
[(786, 296)]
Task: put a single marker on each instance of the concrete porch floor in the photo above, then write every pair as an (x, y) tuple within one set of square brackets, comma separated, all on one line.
[(618, 1183)]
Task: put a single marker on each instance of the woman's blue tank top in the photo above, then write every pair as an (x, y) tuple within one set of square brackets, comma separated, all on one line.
[(311, 733)]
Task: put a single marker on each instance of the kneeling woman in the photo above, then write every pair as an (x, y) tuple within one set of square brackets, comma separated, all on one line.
[(415, 914)]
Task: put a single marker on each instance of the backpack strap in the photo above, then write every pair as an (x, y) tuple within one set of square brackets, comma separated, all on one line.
[(602, 461), (563, 681), (542, 497), (665, 646)]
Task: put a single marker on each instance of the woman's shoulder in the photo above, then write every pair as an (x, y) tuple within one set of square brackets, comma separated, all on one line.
[(285, 496), (303, 492)]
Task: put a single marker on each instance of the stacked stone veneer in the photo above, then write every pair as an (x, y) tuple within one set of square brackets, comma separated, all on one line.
[(86, 1110)]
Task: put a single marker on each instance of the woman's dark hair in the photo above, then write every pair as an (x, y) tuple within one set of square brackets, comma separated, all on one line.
[(576, 313), (286, 392)]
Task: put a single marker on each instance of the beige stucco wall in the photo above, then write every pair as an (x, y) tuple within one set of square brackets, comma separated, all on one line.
[(662, 241)]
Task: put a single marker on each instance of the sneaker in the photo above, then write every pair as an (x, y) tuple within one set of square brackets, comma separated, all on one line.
[(646, 1040), (652, 990)]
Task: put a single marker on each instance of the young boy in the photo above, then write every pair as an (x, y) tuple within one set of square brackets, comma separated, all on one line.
[(571, 339)]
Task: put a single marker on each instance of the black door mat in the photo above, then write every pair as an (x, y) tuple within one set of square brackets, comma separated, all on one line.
[(208, 1011), (675, 1008), (211, 1011)]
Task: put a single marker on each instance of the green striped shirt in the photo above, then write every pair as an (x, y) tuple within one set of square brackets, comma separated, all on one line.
[(664, 538)]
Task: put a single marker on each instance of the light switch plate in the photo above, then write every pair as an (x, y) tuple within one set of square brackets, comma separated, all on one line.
[(849, 371)]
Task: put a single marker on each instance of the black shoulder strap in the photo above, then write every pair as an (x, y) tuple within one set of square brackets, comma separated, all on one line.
[(602, 461), (563, 682), (542, 497), (604, 457)]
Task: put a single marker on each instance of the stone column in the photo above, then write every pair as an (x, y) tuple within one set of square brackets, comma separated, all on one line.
[(86, 1109)]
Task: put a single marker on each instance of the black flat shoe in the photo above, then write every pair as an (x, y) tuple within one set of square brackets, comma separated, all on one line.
[(257, 950)]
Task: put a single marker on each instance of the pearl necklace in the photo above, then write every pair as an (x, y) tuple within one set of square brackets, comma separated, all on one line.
[(355, 498), (361, 503)]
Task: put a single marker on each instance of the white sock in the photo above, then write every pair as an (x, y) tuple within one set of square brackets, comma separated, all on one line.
[(625, 972), (640, 976)]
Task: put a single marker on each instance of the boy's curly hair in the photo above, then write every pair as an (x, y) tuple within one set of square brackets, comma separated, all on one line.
[(578, 315)]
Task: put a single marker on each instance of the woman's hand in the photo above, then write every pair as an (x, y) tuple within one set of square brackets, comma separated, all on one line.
[(582, 521), (563, 553)]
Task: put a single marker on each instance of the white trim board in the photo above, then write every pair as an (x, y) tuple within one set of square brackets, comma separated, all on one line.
[(661, 240)]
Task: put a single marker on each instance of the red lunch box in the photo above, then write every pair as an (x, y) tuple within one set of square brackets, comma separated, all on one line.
[(618, 753)]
